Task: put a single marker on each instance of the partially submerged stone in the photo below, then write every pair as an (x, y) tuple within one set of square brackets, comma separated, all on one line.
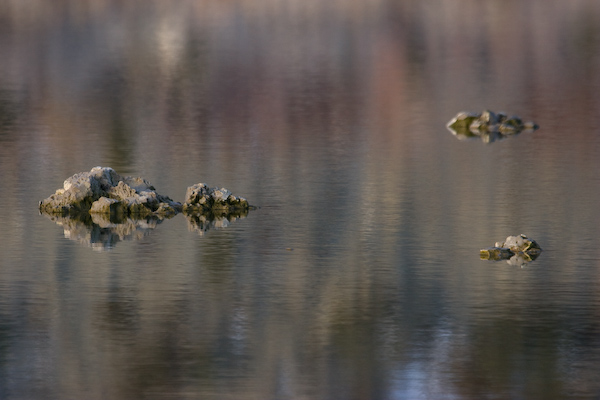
[(207, 208), (487, 125), (101, 207), (105, 205), (201, 198), (102, 190), (463, 121), (517, 250), (521, 244)]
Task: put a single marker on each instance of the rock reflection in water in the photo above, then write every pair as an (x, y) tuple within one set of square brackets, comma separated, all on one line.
[(103, 232), (518, 260), (202, 222)]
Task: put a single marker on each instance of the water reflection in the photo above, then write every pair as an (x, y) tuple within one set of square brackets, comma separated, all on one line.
[(519, 259), (331, 115), (202, 222), (103, 231), (486, 137)]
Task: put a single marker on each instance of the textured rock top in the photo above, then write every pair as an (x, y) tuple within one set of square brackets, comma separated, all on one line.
[(104, 191), (200, 197), (99, 208)]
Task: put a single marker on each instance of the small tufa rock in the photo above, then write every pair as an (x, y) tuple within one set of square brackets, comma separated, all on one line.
[(487, 125), (489, 118), (518, 250), (463, 121), (201, 198), (520, 243)]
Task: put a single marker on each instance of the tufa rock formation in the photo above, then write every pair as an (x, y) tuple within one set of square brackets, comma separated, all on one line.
[(517, 250), (200, 198), (488, 126), (103, 191), (101, 208)]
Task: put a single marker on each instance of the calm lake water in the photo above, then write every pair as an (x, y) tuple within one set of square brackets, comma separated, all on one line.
[(358, 277)]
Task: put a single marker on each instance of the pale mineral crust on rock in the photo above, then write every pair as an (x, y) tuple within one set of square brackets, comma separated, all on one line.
[(102, 190), (517, 250), (100, 208), (488, 126), (201, 198), (105, 205)]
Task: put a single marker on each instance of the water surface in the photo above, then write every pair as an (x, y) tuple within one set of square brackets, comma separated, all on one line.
[(359, 276)]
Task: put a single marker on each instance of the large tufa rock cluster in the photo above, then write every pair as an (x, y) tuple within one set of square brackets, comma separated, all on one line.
[(517, 250), (103, 191), (487, 125), (101, 208)]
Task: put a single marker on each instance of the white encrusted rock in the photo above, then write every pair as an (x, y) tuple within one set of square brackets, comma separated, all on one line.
[(81, 191)]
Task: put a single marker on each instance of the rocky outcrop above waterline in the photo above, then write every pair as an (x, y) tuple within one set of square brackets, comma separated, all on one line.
[(100, 207), (517, 250), (199, 198), (488, 126), (103, 191)]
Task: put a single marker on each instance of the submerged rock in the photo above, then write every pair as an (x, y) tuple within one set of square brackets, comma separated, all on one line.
[(487, 125), (517, 250)]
